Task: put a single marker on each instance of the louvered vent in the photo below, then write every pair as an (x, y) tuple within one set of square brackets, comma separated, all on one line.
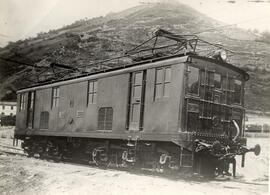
[(105, 118), (79, 114), (44, 120)]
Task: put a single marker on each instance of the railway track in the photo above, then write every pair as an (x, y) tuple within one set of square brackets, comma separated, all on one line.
[(11, 150), (11, 147)]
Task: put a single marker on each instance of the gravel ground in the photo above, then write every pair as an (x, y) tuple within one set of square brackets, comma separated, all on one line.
[(22, 175)]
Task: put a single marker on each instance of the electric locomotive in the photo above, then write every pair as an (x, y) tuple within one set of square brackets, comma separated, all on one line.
[(169, 108)]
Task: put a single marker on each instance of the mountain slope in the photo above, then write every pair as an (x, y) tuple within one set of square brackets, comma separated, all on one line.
[(86, 41)]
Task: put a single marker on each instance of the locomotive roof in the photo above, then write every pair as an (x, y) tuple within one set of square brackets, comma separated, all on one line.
[(225, 64), (137, 65)]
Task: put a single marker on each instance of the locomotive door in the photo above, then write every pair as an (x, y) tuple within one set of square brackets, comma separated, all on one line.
[(30, 109), (136, 102)]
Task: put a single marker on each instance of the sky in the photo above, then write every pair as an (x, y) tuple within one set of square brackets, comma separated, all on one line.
[(20, 19)]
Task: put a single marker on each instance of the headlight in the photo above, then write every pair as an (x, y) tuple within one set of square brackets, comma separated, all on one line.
[(223, 55), (220, 55)]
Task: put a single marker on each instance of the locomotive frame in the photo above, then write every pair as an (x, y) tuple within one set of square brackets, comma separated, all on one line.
[(180, 112)]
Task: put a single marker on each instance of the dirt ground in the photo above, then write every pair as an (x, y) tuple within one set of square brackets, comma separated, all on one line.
[(22, 175)]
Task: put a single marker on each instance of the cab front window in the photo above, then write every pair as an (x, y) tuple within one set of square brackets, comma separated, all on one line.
[(193, 80), (217, 80), (237, 91)]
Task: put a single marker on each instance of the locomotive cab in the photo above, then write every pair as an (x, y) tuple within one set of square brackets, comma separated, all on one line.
[(214, 114), (214, 98)]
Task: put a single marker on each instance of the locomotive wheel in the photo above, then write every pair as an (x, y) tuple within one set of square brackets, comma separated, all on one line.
[(164, 164), (100, 157), (58, 158), (41, 152), (29, 152), (53, 151), (128, 159), (57, 155)]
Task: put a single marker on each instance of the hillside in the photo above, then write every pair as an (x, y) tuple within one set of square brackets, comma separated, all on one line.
[(86, 41)]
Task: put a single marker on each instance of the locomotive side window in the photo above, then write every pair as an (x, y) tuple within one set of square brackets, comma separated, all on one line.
[(30, 109), (158, 84), (55, 97), (162, 82), (22, 101), (92, 92), (105, 118), (137, 87), (238, 91), (193, 80), (167, 81), (44, 120)]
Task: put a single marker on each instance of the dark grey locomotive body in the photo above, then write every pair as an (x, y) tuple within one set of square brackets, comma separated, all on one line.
[(156, 113)]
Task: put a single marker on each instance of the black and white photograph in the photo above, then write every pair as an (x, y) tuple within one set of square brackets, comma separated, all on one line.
[(135, 97)]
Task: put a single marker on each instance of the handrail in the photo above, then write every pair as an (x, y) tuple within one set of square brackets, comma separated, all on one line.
[(237, 129)]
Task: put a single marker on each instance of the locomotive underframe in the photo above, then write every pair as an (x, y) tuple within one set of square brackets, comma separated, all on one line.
[(179, 155)]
